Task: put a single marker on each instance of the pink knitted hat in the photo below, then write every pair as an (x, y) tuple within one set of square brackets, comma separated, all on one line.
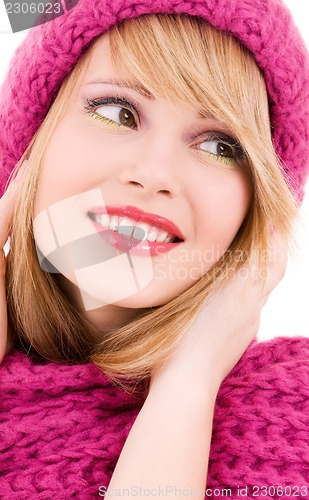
[(265, 27)]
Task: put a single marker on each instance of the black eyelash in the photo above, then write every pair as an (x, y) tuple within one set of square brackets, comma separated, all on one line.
[(119, 101), (231, 142)]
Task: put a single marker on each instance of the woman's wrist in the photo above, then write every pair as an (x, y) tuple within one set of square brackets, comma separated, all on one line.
[(170, 439), (190, 376)]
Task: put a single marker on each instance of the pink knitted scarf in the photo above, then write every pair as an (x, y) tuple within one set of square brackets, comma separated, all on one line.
[(62, 427)]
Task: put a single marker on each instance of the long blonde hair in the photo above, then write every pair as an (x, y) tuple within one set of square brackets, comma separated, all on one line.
[(198, 65)]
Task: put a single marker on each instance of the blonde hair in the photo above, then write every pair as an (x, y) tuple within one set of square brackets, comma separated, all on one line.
[(199, 66)]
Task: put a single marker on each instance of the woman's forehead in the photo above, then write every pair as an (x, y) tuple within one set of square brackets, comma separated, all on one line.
[(109, 63), (102, 70), (101, 67)]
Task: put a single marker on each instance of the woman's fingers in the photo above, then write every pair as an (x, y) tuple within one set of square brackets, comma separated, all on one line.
[(278, 260), (7, 203), (229, 320), (6, 213)]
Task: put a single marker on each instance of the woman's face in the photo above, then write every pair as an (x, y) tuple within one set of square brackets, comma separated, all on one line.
[(157, 168)]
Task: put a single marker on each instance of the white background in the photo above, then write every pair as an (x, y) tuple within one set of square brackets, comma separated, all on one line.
[(286, 312)]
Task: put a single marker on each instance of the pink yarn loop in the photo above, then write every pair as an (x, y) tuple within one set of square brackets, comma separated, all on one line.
[(63, 427)]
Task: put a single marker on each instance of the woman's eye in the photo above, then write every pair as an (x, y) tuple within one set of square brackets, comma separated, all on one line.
[(119, 115), (114, 111), (223, 149)]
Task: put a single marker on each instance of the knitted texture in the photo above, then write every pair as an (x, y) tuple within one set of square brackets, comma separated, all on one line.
[(62, 427), (265, 27)]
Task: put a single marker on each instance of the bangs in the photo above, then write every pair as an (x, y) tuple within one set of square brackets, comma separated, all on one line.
[(184, 59)]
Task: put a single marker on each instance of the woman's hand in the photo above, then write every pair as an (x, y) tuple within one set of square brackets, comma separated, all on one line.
[(168, 445), (227, 322), (7, 204)]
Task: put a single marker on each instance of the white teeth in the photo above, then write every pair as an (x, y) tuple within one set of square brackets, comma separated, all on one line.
[(140, 232), (114, 223), (161, 236), (125, 227), (152, 235), (128, 227), (104, 220)]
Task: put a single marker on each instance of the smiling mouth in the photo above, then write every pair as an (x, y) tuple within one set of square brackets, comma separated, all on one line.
[(134, 230)]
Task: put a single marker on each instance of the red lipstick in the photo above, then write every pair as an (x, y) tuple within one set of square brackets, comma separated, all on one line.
[(130, 244), (140, 216)]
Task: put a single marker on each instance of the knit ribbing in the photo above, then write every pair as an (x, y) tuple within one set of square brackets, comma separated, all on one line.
[(62, 427)]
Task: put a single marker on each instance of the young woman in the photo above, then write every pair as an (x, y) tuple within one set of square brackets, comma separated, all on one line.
[(164, 167)]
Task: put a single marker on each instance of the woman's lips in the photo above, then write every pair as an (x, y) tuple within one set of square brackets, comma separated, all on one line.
[(132, 245), (140, 216)]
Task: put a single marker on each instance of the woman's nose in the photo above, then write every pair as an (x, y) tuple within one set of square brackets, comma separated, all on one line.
[(154, 167)]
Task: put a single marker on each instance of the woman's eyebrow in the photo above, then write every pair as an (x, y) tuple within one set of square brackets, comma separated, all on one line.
[(136, 86)]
